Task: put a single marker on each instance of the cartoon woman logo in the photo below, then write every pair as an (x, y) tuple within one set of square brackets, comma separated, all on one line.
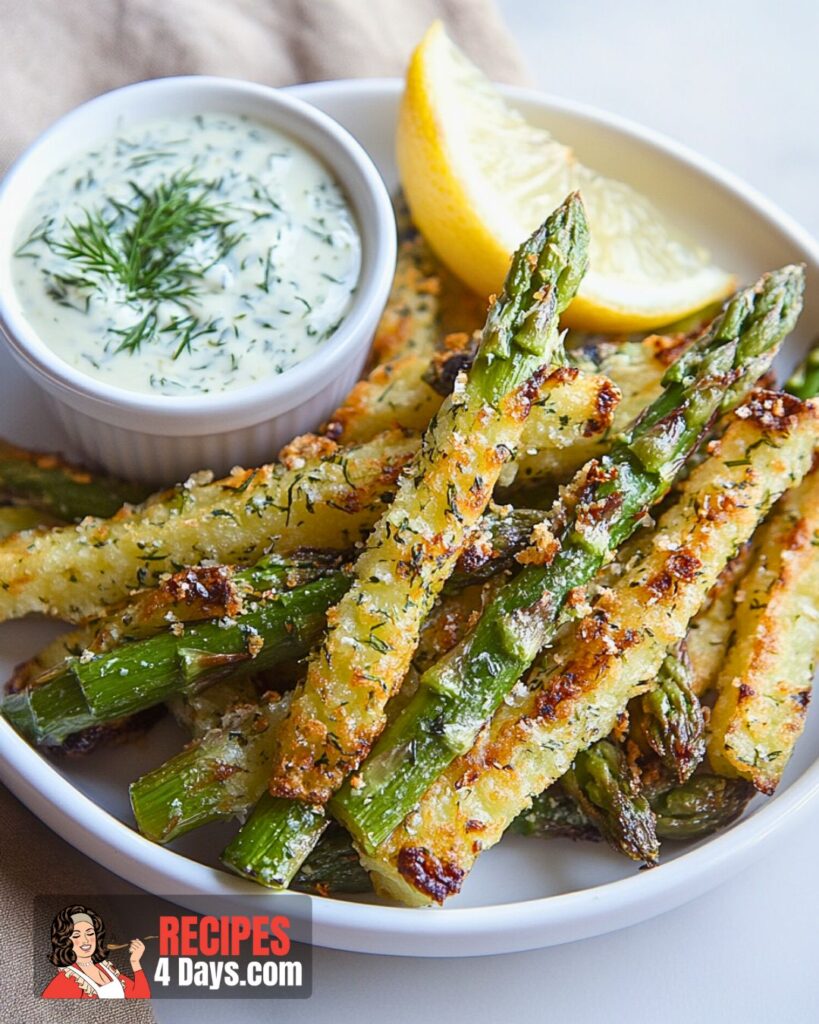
[(79, 951)]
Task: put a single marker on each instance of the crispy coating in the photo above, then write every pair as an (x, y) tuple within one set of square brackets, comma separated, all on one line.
[(203, 592), (573, 697), (764, 687), (425, 302), (328, 500), (614, 387), (711, 631), (410, 320), (573, 413), (393, 394), (373, 631)]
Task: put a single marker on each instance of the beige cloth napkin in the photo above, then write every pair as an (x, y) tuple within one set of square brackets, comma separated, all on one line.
[(57, 53)]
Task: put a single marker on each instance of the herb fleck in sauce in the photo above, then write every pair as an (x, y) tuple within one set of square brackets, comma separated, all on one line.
[(187, 255)]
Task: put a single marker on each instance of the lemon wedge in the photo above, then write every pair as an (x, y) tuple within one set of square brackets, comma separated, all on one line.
[(479, 178)]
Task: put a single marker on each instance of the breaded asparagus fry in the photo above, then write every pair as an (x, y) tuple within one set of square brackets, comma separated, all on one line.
[(574, 409), (635, 368), (764, 687), (573, 698), (709, 635), (219, 775), (205, 621), (374, 629), (393, 394), (594, 516), (411, 319), (323, 496), (426, 301)]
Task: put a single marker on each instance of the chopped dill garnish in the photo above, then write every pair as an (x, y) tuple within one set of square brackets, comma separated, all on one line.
[(142, 245)]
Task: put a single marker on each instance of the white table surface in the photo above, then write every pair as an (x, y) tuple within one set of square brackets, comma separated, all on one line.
[(738, 80)]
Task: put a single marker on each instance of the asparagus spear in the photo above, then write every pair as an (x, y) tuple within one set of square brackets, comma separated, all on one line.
[(412, 318), (703, 804), (574, 695), (340, 708), (636, 368), (224, 773), (319, 496), (275, 840), (700, 806), (50, 485), (332, 867), (710, 632), (183, 793), (372, 632), (92, 690), (764, 685), (609, 498), (668, 720), (607, 793), (220, 775), (284, 606), (574, 409)]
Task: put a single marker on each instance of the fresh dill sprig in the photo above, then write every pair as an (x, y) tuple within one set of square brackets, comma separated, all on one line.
[(189, 329), (143, 246), (132, 337)]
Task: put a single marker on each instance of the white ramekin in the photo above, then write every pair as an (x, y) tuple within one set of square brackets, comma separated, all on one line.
[(159, 438)]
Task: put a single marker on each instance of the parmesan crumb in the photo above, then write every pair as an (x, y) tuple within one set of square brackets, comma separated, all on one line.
[(543, 548), (255, 642)]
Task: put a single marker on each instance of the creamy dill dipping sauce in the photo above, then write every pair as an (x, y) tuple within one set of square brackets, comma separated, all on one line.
[(189, 254)]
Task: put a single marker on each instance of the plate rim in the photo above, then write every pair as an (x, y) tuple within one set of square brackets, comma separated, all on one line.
[(457, 931)]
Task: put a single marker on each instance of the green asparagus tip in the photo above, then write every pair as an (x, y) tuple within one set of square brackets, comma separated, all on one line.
[(753, 322), (543, 278), (704, 804), (670, 718), (602, 784)]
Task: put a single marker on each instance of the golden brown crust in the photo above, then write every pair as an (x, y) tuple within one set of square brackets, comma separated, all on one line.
[(328, 501), (764, 687), (372, 633), (305, 448), (578, 694)]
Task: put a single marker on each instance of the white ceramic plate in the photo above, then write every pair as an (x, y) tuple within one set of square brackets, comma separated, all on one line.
[(524, 893)]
